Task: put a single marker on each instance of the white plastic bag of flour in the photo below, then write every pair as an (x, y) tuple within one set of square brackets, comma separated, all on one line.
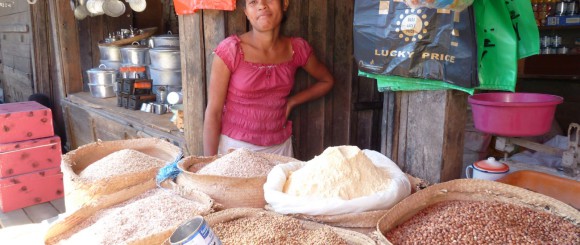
[(283, 203)]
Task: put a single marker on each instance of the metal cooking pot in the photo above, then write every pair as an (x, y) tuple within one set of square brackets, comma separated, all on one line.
[(112, 53), (112, 64), (171, 40), (135, 54), (166, 77), (102, 75), (165, 58), (102, 91)]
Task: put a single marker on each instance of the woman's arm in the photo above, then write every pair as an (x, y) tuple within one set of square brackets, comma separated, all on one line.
[(324, 83), (218, 88)]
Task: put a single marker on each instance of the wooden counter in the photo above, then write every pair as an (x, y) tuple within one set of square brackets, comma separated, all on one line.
[(89, 119)]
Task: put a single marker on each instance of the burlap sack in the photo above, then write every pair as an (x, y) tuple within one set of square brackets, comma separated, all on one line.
[(76, 218), (79, 191), (359, 220), (350, 237), (472, 190), (229, 192)]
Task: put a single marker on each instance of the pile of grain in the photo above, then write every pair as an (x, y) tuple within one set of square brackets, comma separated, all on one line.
[(468, 222), (241, 163), (268, 229), (151, 213), (119, 163)]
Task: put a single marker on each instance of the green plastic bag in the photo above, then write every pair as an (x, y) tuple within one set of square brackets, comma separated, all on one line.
[(527, 33), (496, 46), (396, 83)]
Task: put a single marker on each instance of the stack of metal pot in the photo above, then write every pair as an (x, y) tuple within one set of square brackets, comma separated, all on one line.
[(110, 56), (165, 65), (102, 81)]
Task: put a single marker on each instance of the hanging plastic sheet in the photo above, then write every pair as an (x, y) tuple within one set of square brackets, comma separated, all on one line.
[(455, 5), (525, 27), (434, 44), (395, 83), (191, 6), (496, 46)]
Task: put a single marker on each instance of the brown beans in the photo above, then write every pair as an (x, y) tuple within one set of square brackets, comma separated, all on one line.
[(473, 222)]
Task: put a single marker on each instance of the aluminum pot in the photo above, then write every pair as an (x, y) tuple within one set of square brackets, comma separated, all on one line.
[(112, 64), (166, 77), (171, 40), (102, 75), (165, 58), (112, 53), (102, 91), (135, 54)]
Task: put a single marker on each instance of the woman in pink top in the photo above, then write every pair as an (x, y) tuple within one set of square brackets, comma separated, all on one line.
[(251, 78)]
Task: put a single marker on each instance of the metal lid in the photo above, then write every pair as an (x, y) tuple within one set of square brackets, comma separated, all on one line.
[(135, 46), (165, 49), (169, 35), (102, 69)]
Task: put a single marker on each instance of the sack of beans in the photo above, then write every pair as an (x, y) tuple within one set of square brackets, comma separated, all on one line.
[(257, 226), (363, 220), (148, 218), (471, 211), (232, 180), (109, 170)]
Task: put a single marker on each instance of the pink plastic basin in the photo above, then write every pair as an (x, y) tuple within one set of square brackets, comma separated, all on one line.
[(514, 114)]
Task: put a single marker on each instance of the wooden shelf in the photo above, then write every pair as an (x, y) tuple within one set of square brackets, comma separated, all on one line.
[(557, 28)]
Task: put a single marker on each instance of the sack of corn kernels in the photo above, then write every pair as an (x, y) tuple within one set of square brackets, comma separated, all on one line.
[(109, 170), (257, 226), (470, 211), (147, 218), (232, 180)]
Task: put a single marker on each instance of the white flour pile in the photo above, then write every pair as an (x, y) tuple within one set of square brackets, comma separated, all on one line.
[(339, 172), (151, 213), (241, 163), (121, 162)]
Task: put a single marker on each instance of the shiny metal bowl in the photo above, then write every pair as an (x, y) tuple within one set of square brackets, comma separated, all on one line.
[(102, 91)]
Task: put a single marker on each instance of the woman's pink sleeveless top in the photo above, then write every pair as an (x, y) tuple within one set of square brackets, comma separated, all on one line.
[(255, 106)]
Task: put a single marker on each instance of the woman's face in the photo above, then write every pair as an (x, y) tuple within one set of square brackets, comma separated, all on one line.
[(265, 15)]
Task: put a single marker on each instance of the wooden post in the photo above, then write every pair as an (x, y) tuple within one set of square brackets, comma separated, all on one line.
[(428, 132), (193, 80)]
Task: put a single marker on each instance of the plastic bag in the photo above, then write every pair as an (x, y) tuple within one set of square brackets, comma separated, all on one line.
[(496, 46), (191, 6), (395, 83), (525, 27), (455, 5), (393, 40), (284, 203)]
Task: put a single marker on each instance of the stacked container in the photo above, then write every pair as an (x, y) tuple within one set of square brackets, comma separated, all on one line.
[(165, 65), (102, 81), (30, 156), (110, 56)]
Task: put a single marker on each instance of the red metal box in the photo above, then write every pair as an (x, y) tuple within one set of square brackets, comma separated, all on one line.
[(29, 189), (21, 121), (29, 156)]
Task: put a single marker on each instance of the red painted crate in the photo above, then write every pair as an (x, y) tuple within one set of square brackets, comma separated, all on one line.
[(29, 156), (29, 189), (24, 121)]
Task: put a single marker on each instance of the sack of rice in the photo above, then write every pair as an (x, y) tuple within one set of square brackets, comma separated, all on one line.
[(257, 226), (149, 218), (469, 211), (113, 170), (342, 180), (232, 180)]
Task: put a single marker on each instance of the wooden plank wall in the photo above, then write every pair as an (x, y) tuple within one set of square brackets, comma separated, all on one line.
[(15, 51), (333, 120)]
